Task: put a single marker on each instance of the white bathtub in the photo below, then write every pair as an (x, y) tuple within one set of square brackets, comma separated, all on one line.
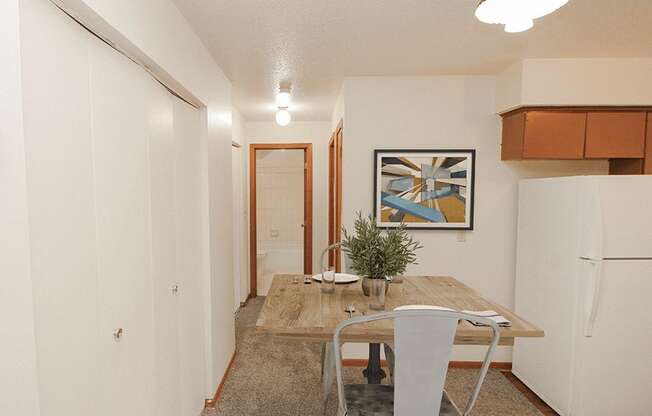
[(273, 261)]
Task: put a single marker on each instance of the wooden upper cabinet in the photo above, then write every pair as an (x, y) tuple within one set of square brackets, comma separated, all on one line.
[(615, 134), (554, 135), (512, 140)]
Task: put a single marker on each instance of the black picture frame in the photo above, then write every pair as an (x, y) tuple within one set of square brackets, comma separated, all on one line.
[(470, 191)]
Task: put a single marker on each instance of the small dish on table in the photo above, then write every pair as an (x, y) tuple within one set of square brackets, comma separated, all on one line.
[(340, 278)]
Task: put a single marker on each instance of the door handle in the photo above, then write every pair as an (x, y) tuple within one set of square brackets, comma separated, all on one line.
[(117, 334), (596, 279)]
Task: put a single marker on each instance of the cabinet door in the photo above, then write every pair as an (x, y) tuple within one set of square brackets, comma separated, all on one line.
[(511, 147), (120, 156), (619, 134), (647, 169), (554, 135)]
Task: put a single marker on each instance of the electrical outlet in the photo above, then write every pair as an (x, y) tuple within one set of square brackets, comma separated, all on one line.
[(274, 233)]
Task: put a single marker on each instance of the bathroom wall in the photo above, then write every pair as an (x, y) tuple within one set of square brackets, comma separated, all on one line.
[(279, 203)]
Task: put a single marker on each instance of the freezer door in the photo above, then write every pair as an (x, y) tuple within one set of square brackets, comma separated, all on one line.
[(613, 369), (546, 284), (616, 216)]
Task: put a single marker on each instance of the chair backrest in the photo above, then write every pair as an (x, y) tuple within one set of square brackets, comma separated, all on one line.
[(423, 341)]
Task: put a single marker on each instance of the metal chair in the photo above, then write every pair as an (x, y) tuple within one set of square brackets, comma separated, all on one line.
[(423, 341)]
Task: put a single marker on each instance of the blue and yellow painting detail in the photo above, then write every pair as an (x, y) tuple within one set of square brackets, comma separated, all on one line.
[(422, 191)]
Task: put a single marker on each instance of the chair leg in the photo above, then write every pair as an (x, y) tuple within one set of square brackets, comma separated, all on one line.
[(328, 372), (389, 355)]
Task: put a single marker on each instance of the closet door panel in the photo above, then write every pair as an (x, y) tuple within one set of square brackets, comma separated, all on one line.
[(57, 128), (160, 119), (191, 259), (120, 155)]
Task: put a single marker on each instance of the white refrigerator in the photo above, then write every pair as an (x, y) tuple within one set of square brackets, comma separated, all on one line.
[(584, 274)]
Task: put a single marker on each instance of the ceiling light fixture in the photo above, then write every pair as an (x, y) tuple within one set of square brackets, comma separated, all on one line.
[(283, 98), (516, 15), (283, 116)]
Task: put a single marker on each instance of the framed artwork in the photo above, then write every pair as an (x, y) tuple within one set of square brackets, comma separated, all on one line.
[(424, 189)]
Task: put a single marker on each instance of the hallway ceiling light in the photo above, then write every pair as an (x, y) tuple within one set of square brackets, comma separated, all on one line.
[(283, 98), (283, 117), (516, 15)]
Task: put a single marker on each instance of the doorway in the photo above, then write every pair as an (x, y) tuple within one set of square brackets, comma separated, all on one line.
[(280, 206), (335, 196)]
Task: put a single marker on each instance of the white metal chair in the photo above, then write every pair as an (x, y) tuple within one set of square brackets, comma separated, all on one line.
[(423, 340)]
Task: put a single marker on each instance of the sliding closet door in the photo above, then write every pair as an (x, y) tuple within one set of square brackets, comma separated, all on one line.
[(116, 206), (190, 257), (122, 202), (160, 117), (59, 169)]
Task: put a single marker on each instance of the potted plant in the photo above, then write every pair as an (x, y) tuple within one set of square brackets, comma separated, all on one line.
[(378, 254)]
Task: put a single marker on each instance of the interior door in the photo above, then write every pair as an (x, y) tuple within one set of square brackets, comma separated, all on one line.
[(62, 252), (160, 118), (121, 175), (614, 373), (335, 196), (190, 258), (236, 179)]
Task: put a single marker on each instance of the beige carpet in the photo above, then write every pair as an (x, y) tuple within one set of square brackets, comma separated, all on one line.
[(274, 377)]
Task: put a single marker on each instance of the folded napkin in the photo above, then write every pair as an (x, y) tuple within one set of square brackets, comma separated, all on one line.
[(493, 315)]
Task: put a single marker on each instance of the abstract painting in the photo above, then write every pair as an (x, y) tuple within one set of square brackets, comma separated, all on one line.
[(424, 189)]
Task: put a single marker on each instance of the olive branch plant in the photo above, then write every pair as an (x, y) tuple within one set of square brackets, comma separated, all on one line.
[(379, 253)]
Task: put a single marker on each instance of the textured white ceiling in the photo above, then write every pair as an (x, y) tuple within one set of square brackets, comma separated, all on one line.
[(315, 43)]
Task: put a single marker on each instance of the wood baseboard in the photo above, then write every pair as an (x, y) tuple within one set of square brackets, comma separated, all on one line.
[(243, 304), (210, 403), (530, 395), (504, 366)]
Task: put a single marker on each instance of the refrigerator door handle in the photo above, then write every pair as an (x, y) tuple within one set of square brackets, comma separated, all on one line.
[(595, 279)]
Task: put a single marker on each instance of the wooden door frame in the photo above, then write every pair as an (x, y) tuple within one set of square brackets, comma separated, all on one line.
[(307, 208), (335, 195)]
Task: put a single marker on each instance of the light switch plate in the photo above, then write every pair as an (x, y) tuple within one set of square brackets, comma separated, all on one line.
[(461, 236)]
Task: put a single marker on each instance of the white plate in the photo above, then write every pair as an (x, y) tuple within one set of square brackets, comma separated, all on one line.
[(340, 278)]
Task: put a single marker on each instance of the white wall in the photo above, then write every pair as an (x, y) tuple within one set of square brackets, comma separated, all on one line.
[(585, 81), (155, 33), (318, 133), (440, 113), (18, 383)]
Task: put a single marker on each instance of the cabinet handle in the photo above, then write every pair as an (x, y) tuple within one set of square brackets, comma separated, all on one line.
[(117, 334)]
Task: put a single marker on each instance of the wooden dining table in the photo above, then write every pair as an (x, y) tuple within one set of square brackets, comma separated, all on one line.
[(300, 311)]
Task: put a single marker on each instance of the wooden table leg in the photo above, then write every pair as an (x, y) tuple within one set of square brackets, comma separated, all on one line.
[(374, 373)]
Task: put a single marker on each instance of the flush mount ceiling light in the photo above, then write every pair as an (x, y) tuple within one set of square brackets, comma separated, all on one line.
[(283, 97), (283, 117), (516, 15)]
